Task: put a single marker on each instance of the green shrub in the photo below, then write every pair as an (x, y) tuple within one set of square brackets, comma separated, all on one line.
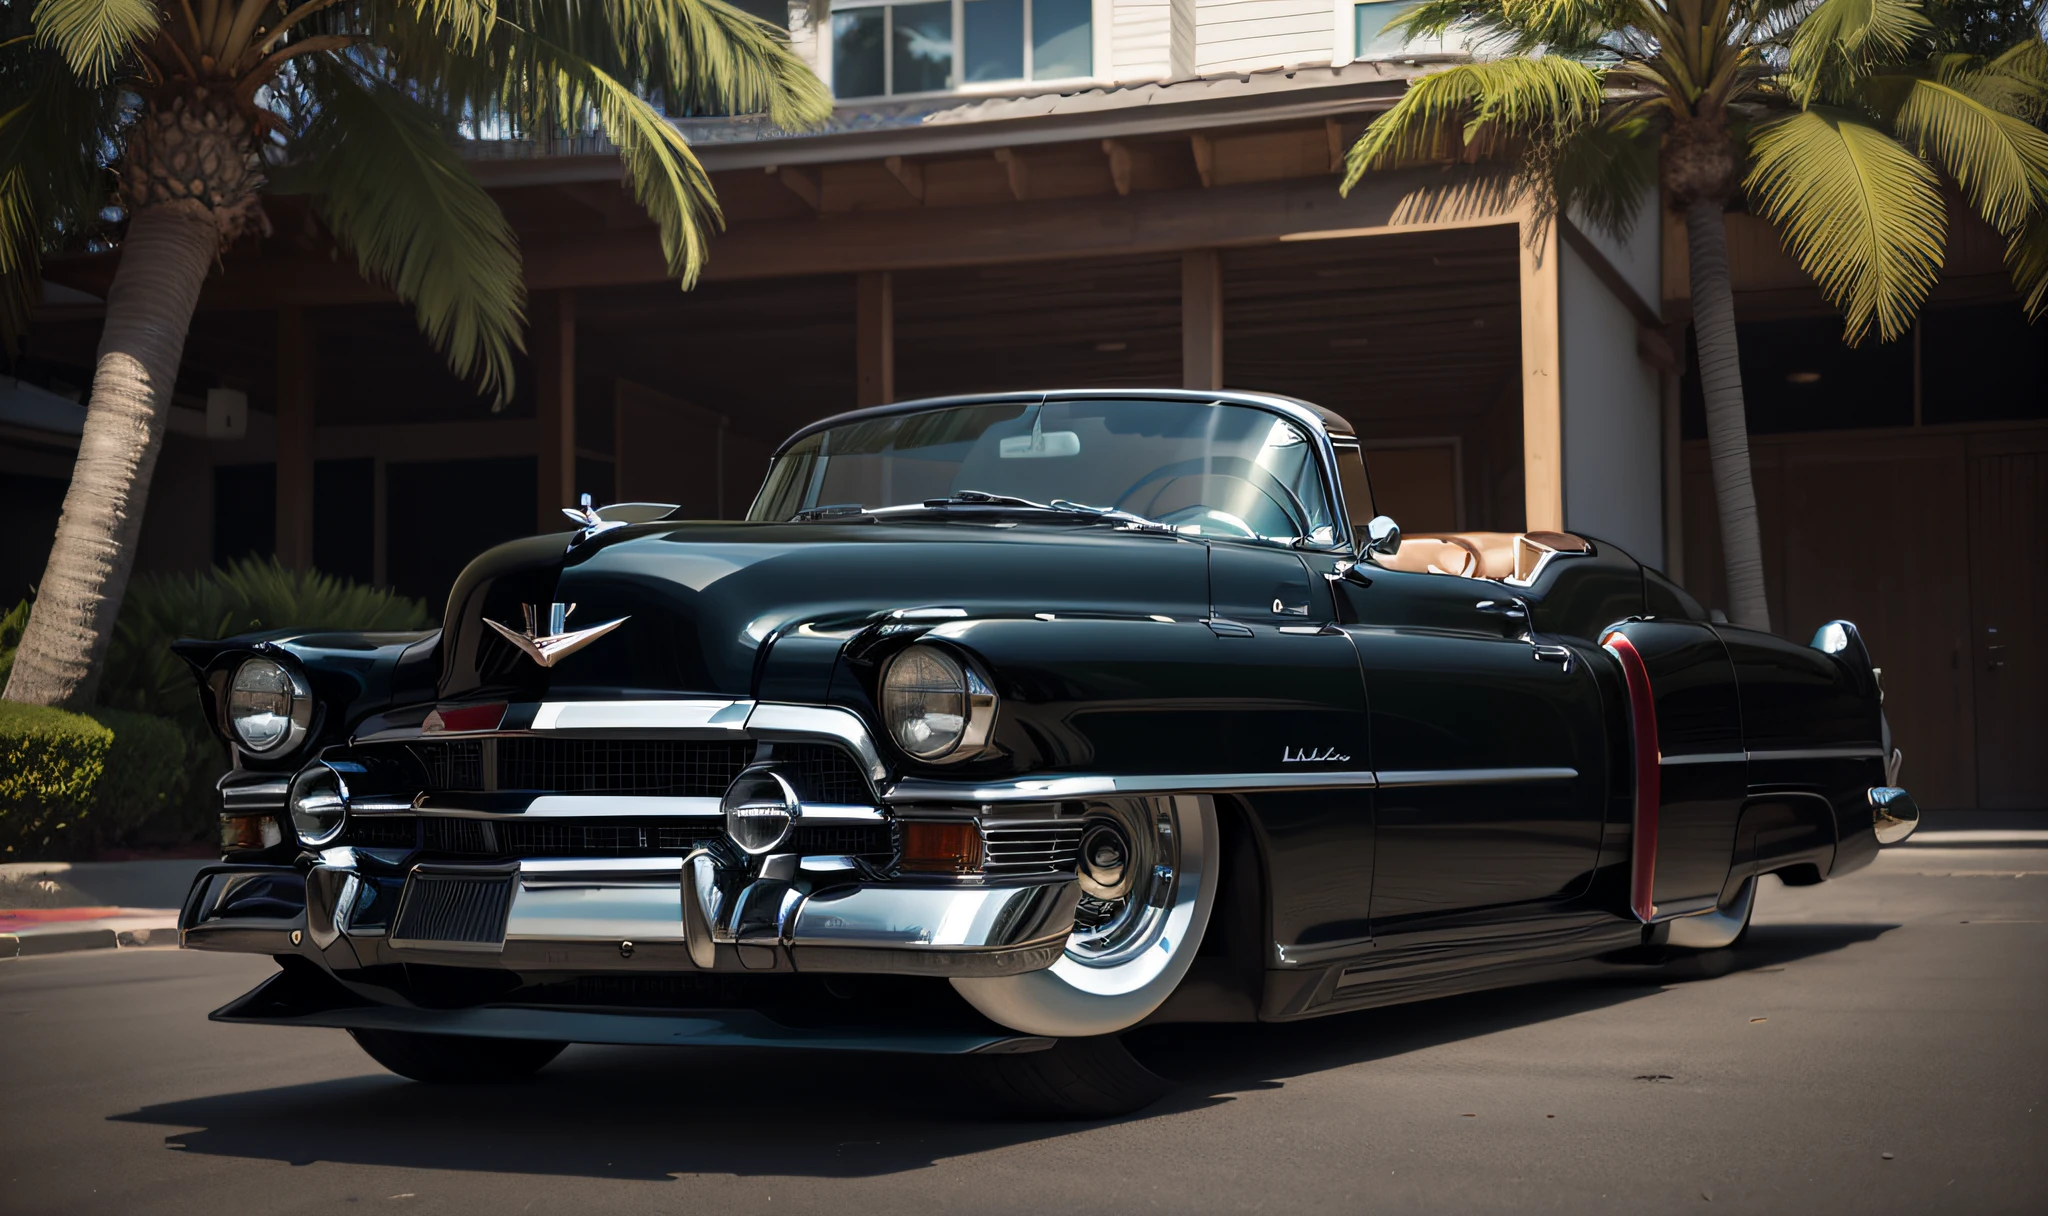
[(72, 782), (50, 763), (152, 701)]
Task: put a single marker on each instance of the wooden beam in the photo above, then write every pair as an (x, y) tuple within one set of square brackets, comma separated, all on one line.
[(295, 389), (1119, 154), (1205, 158), (806, 184), (1019, 171), (908, 173), (1542, 383), (1334, 132), (553, 343), (874, 338), (1201, 319)]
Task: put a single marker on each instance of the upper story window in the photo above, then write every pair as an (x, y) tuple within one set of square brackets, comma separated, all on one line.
[(1371, 39), (885, 49)]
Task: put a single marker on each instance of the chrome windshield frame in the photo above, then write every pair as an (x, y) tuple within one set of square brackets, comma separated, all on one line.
[(1313, 422)]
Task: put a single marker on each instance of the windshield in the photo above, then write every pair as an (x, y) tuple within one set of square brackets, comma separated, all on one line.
[(1207, 469)]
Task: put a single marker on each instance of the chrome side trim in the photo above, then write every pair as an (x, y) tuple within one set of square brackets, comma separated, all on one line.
[(1475, 776), (770, 720), (1705, 758), (1048, 789), (723, 715), (1819, 753)]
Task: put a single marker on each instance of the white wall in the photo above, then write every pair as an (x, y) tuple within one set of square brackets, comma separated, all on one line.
[(1244, 35), (1139, 32), (1613, 450), (1639, 257)]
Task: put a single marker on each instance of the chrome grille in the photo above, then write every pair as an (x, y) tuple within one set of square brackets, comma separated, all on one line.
[(1030, 848), (454, 909), (821, 772), (501, 838)]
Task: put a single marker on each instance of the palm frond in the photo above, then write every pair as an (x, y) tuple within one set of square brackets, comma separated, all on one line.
[(708, 56), (2026, 256), (2015, 82), (389, 183), (1862, 215), (2000, 162), (56, 139), (1604, 171), (95, 36), (1549, 97), (1839, 39), (665, 175)]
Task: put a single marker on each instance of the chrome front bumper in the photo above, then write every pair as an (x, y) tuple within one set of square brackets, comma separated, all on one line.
[(635, 914)]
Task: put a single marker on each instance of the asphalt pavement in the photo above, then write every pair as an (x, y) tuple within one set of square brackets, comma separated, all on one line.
[(1880, 1044)]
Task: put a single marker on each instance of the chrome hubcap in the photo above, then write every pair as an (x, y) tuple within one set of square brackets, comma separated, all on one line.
[(1130, 860)]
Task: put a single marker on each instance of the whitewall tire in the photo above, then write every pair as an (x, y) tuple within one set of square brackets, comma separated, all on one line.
[(1132, 948)]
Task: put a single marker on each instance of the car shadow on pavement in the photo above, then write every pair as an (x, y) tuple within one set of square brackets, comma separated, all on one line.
[(647, 1113)]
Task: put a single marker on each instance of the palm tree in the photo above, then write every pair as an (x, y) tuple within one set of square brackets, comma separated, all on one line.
[(1844, 121), (177, 114)]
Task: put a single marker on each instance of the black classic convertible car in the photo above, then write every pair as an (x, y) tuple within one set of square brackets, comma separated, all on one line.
[(1001, 726)]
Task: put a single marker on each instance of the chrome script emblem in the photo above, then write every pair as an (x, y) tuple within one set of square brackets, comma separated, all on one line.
[(556, 644), (1312, 755)]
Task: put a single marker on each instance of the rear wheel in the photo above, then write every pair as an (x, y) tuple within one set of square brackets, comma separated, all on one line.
[(456, 1059), (1094, 1078)]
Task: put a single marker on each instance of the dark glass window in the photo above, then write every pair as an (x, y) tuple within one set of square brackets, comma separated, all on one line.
[(857, 52), (923, 45), (344, 518), (1982, 364), (993, 34), (1062, 43), (244, 511)]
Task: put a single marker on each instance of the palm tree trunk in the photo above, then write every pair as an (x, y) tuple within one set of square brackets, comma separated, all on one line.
[(1713, 320), (164, 261)]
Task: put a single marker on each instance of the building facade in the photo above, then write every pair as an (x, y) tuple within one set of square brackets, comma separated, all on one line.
[(1014, 193)]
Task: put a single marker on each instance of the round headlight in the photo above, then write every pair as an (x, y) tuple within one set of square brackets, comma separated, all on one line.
[(319, 804), (269, 706), (936, 707)]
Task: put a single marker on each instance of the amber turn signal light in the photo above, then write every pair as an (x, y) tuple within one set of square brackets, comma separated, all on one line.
[(249, 833), (941, 848)]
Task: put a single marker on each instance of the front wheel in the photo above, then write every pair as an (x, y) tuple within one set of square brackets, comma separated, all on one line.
[(1148, 872), (456, 1059)]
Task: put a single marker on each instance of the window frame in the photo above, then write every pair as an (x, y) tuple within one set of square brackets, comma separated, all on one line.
[(957, 88)]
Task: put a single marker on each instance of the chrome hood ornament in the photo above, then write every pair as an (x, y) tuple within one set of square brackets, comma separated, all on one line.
[(556, 644)]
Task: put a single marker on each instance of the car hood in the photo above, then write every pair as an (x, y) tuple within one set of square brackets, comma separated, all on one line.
[(703, 604)]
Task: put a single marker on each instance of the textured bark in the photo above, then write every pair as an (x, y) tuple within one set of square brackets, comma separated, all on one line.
[(1713, 319), (164, 262), (197, 149)]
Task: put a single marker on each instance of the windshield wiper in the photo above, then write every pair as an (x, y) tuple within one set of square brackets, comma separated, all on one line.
[(1058, 506)]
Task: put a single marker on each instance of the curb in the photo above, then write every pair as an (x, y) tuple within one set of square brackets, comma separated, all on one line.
[(109, 933)]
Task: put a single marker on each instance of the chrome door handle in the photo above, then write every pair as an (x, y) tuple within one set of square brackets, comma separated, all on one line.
[(1545, 653)]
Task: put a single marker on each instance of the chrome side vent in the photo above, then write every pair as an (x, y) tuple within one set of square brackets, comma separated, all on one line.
[(454, 909), (1019, 849)]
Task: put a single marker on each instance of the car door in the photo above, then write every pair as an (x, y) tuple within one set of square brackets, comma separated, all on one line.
[(1489, 746), (1298, 723)]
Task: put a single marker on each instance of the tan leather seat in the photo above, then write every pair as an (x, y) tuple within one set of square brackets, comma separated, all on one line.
[(1505, 556)]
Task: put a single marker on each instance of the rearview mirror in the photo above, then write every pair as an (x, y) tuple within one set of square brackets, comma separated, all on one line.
[(1383, 535), (1040, 444)]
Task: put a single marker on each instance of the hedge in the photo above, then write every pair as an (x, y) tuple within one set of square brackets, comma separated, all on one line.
[(70, 782)]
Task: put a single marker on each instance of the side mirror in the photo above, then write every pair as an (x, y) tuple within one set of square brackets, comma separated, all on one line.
[(1383, 535)]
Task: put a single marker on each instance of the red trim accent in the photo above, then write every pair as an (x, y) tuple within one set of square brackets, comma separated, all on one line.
[(1643, 729), (456, 718)]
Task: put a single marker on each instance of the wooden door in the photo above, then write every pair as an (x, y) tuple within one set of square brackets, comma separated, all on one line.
[(1876, 531), (2008, 496)]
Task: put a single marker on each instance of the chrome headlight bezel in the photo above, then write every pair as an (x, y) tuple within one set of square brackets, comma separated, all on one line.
[(298, 710), (975, 693)]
